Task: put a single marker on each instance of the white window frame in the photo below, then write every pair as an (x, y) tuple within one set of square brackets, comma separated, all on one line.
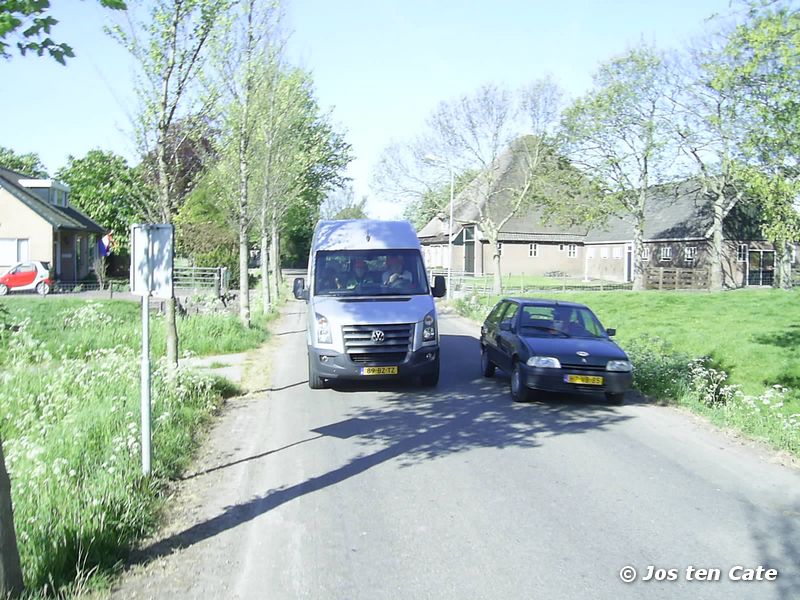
[(561, 247), (500, 248), (690, 253), (604, 252), (617, 253), (645, 254), (18, 244), (533, 250), (666, 253), (741, 253), (572, 251), (590, 252)]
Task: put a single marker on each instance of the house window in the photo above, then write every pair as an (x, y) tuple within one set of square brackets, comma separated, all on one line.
[(500, 248), (646, 255), (469, 234), (561, 247), (13, 250), (533, 250), (741, 253), (79, 253), (604, 252), (617, 253), (590, 252), (666, 253), (690, 252), (572, 251)]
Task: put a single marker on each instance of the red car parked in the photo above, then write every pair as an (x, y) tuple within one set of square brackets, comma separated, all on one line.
[(29, 275)]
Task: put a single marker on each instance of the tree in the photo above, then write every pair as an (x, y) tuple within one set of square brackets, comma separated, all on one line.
[(29, 21), (341, 204), (108, 190), (28, 164), (170, 49), (619, 134), (762, 68)]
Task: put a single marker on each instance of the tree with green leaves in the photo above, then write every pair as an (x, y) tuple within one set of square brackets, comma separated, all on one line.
[(170, 47), (341, 204), (28, 164), (107, 189), (762, 69), (28, 23), (619, 134)]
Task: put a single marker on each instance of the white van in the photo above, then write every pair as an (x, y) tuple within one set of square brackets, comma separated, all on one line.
[(371, 313)]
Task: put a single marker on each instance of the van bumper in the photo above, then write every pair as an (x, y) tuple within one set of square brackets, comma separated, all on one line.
[(335, 365)]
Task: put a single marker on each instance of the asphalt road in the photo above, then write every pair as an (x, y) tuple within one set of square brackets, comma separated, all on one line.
[(390, 491)]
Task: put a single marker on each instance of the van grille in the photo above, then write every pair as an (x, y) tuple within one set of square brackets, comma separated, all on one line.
[(582, 367), (361, 349)]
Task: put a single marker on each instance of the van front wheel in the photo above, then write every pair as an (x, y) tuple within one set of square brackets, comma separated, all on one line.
[(315, 382), (431, 379)]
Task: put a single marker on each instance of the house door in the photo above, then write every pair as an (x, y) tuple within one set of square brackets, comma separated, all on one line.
[(628, 262), (469, 249), (761, 267)]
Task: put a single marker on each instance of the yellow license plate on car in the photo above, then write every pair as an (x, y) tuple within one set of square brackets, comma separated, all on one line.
[(584, 379), (379, 370)]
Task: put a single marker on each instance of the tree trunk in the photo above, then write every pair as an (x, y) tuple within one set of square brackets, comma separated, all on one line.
[(497, 280), (244, 282), (715, 282), (265, 262), (171, 323), (638, 252), (274, 259), (783, 265), (10, 570)]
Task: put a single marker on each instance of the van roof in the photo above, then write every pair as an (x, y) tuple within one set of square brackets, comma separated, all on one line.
[(364, 234)]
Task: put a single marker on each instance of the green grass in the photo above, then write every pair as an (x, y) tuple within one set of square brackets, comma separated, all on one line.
[(69, 421), (752, 335)]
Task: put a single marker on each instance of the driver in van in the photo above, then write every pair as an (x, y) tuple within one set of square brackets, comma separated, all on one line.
[(395, 275), (359, 277)]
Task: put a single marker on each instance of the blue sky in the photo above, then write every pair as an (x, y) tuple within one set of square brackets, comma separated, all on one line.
[(380, 66)]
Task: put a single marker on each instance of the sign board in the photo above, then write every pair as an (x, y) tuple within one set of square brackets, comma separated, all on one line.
[(151, 260)]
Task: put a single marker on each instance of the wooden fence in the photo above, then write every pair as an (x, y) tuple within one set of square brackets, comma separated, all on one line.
[(676, 279)]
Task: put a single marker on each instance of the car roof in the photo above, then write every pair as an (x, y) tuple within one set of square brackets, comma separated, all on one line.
[(543, 302)]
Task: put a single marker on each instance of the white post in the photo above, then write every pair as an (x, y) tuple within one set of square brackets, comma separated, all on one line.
[(450, 237), (147, 451)]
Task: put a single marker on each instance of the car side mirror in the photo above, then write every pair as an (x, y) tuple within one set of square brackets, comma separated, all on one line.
[(505, 325), (611, 332), (299, 288), (439, 287)]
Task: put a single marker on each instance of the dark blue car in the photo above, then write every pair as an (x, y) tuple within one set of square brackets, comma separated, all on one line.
[(553, 346)]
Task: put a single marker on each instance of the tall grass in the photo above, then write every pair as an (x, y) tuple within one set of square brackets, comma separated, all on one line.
[(747, 337), (69, 420)]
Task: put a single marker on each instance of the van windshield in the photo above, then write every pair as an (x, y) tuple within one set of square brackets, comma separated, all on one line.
[(369, 273)]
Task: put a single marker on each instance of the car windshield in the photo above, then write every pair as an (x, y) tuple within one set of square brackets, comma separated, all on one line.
[(369, 273), (548, 320)]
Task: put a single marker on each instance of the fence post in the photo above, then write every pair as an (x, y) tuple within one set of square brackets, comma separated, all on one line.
[(661, 278), (564, 282)]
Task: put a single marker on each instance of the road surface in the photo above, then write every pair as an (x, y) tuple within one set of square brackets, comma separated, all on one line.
[(391, 491)]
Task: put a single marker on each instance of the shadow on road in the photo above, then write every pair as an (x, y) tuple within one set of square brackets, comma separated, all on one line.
[(413, 425), (777, 538)]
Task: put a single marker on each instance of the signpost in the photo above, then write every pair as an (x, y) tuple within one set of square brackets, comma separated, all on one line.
[(151, 275)]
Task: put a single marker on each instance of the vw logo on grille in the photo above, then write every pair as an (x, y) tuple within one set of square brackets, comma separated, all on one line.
[(378, 336), (582, 353)]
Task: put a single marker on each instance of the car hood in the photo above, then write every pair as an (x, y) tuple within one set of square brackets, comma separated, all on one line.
[(598, 350), (373, 310)]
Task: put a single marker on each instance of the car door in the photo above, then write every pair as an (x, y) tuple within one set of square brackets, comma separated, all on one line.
[(490, 329), (507, 339), (22, 276)]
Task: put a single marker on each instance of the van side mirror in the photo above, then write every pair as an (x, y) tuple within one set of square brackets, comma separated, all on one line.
[(611, 332), (505, 325), (439, 287), (299, 288)]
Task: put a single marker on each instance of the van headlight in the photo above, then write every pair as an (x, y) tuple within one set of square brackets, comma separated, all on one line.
[(323, 330), (429, 328), (544, 362), (619, 365)]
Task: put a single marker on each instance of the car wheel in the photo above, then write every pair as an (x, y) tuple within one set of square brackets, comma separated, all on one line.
[(3, 289), (315, 382), (43, 288), (487, 366), (431, 379), (519, 391), (616, 399)]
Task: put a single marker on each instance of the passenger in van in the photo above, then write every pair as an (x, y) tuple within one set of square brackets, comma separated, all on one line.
[(360, 276), (395, 275)]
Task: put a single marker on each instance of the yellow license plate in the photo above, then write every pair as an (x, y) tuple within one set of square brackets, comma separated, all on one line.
[(379, 370), (584, 379)]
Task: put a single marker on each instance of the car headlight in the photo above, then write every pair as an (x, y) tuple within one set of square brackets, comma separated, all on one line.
[(429, 328), (619, 365), (323, 330), (544, 362)]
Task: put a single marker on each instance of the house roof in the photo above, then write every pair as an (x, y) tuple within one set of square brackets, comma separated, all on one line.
[(506, 174), (673, 211), (60, 217)]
